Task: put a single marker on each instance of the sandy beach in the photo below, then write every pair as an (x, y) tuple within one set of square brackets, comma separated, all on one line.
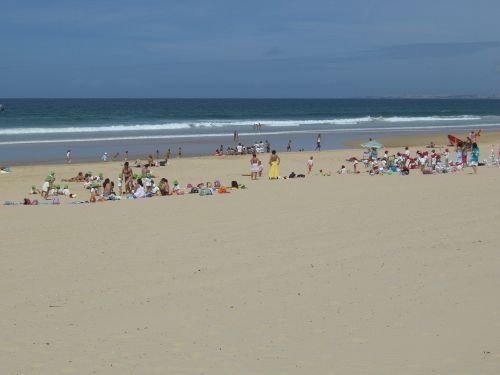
[(341, 274)]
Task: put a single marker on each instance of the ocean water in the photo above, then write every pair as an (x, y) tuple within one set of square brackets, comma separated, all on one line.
[(45, 128)]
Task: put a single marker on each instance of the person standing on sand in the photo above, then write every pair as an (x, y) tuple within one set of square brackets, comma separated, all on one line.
[(68, 157), (268, 147), (157, 154), (254, 166), (125, 156), (168, 155), (127, 175), (274, 162), (318, 143), (310, 164), (289, 146), (474, 160), (235, 136)]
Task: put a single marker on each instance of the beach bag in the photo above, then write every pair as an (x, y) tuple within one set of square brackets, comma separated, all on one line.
[(222, 190), (234, 184), (34, 202), (27, 202), (292, 175), (205, 191), (56, 200), (194, 190), (217, 184)]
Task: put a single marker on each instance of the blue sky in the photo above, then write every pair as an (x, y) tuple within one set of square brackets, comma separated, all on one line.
[(252, 48)]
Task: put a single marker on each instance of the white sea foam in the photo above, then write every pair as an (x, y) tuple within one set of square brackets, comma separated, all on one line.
[(228, 123), (429, 118)]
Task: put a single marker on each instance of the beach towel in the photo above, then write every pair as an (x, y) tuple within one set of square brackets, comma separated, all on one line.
[(205, 191)]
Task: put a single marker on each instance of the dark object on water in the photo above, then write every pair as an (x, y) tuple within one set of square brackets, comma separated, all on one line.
[(1, 107)]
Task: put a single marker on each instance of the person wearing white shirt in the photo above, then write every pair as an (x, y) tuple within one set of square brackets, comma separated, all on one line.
[(139, 189)]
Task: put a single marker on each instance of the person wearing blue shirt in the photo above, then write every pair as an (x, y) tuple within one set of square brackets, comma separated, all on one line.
[(474, 161)]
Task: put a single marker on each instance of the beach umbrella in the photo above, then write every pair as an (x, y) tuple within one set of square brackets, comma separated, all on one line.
[(373, 144)]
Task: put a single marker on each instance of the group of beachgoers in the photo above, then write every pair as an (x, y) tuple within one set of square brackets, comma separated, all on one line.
[(240, 149), (425, 161), (129, 185)]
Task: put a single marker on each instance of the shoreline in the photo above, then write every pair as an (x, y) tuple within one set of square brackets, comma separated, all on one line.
[(205, 146)]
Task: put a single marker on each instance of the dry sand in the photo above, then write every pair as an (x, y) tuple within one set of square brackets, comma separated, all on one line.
[(342, 275)]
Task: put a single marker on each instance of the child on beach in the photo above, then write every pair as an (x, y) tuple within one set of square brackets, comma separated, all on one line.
[(355, 165), (342, 170), (119, 184), (310, 164), (474, 160), (46, 186), (446, 157)]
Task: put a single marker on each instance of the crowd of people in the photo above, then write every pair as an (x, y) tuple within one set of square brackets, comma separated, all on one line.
[(428, 162), (376, 160)]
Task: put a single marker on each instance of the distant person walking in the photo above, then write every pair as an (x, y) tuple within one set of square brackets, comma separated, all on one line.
[(180, 152), (318, 143), (289, 146), (125, 156), (235, 136), (68, 157)]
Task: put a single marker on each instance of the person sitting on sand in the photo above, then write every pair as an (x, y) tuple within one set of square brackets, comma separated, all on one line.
[(150, 161), (310, 164), (342, 170), (78, 178), (164, 187), (274, 162), (119, 184), (107, 188), (254, 166), (139, 189)]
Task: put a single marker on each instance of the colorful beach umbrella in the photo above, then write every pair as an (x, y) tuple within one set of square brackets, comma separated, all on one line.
[(372, 144)]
